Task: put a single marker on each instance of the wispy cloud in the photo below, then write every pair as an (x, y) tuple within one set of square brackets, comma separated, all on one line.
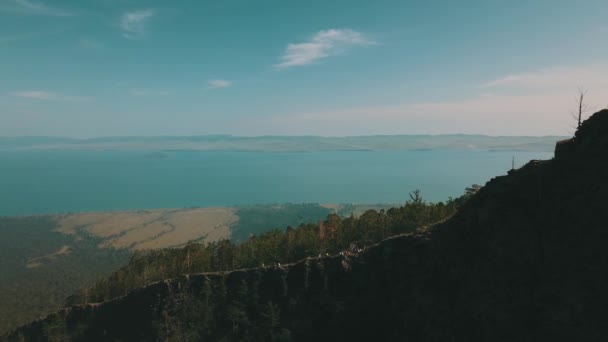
[(590, 76), (323, 44), (148, 92), (48, 96), (133, 24), (217, 84), (31, 7)]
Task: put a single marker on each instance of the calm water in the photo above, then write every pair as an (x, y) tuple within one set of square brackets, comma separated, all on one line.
[(72, 181)]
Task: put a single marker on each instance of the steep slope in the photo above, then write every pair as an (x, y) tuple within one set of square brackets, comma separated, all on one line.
[(524, 260)]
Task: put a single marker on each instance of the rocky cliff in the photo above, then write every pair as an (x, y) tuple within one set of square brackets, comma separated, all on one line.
[(525, 259)]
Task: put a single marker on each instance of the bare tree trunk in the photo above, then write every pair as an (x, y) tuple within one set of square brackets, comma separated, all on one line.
[(582, 107), (581, 98)]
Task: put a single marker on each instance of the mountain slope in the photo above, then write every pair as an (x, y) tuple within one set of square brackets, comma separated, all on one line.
[(524, 260)]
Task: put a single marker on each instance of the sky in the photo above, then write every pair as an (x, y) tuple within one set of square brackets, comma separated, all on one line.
[(90, 68)]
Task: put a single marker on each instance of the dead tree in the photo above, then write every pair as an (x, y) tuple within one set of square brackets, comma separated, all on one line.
[(582, 107)]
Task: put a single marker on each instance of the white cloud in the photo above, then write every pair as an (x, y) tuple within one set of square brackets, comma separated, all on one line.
[(217, 84), (31, 7), (148, 92), (133, 24), (590, 76), (323, 44), (48, 96)]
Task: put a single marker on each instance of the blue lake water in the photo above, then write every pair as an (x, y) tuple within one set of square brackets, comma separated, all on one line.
[(38, 182)]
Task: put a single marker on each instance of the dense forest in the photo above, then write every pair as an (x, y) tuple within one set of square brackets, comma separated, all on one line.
[(272, 248), (46, 266), (40, 267)]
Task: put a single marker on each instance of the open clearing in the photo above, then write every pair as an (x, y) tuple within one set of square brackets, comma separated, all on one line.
[(40, 261), (151, 229)]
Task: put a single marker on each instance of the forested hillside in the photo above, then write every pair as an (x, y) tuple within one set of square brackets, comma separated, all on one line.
[(524, 259), (270, 248), (43, 259)]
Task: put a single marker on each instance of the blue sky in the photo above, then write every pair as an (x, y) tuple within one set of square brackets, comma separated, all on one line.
[(279, 67)]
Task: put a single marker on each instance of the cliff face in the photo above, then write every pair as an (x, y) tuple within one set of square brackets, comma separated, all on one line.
[(525, 259)]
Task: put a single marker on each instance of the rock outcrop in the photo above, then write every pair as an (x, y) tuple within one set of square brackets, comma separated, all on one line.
[(525, 259)]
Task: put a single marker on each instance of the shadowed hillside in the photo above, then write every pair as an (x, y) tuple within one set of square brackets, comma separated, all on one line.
[(525, 259)]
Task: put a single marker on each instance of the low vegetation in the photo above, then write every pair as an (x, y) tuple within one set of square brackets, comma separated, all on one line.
[(151, 229)]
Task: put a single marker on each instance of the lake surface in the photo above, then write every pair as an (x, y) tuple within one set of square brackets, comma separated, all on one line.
[(40, 182)]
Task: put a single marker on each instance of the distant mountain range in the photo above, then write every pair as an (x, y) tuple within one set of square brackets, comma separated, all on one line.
[(286, 143)]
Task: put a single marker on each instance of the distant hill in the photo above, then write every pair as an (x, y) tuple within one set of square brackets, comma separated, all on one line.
[(286, 143), (524, 259)]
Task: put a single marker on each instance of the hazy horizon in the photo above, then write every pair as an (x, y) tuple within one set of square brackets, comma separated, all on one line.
[(278, 136), (284, 143)]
